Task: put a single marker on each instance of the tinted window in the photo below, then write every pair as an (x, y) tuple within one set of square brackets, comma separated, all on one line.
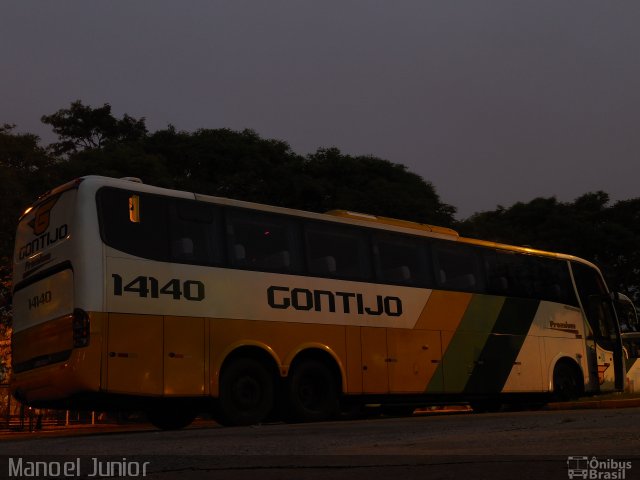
[(336, 251), (551, 280), (143, 233), (262, 242), (402, 260), (516, 275), (457, 267), (195, 233), (508, 274)]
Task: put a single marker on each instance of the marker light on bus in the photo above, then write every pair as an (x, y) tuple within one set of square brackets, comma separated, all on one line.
[(81, 328), (134, 208)]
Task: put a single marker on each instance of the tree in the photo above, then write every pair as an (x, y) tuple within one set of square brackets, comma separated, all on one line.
[(82, 127), (244, 166), (21, 151), (24, 169), (371, 185), (228, 163), (117, 160), (5, 321), (239, 165)]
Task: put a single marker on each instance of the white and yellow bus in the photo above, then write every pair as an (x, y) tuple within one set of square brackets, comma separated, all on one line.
[(132, 296)]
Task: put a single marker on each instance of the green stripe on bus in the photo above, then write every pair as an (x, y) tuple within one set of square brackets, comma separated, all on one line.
[(495, 362), (468, 340)]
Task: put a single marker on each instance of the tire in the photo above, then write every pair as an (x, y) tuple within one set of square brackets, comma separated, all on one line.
[(567, 385), (171, 415), (246, 393), (312, 393)]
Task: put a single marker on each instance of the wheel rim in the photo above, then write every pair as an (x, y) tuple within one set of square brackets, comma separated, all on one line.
[(311, 392), (247, 393)]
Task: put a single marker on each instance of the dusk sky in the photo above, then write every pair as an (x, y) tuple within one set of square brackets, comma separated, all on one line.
[(493, 101)]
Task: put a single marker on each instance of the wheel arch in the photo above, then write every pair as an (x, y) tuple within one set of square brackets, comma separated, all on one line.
[(571, 363), (323, 354), (255, 350), (563, 357)]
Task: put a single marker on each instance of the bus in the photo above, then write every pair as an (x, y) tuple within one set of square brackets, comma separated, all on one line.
[(131, 296)]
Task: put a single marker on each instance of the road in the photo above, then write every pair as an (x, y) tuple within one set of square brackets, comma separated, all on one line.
[(513, 444)]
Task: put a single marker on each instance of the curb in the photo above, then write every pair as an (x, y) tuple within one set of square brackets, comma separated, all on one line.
[(593, 404), (83, 429)]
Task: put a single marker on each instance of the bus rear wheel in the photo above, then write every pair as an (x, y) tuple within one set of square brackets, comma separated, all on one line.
[(312, 392), (246, 393)]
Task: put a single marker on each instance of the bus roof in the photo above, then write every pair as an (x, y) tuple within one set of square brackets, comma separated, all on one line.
[(393, 221)]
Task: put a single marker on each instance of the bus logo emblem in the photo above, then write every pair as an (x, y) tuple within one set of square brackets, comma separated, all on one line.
[(42, 218), (578, 467)]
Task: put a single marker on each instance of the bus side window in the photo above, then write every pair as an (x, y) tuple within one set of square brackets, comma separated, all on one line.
[(262, 241), (508, 273), (144, 234), (336, 251), (457, 267), (551, 280), (497, 272), (401, 259), (195, 233)]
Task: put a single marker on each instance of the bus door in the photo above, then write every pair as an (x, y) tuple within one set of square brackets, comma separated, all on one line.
[(604, 346)]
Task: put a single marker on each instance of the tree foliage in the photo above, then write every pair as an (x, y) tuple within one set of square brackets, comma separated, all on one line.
[(371, 185), (5, 320), (236, 164), (25, 170), (227, 163), (81, 127)]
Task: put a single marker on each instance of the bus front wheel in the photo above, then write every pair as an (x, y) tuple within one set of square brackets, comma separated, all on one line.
[(246, 393), (567, 383), (312, 392)]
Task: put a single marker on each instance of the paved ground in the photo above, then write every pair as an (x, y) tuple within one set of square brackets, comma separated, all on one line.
[(443, 443), (501, 445), (610, 401)]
